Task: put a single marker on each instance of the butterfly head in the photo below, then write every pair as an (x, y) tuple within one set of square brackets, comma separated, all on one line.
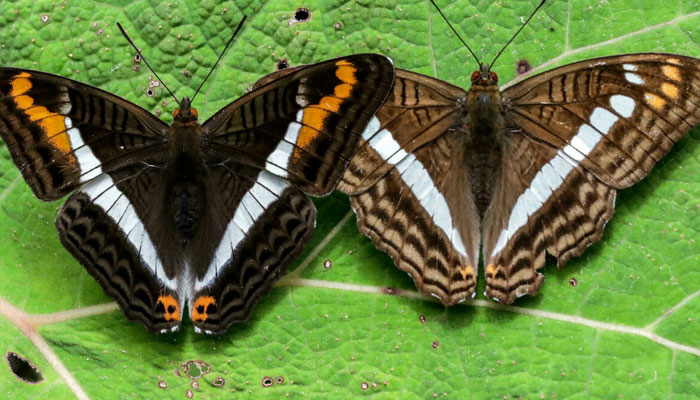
[(185, 113), (484, 76)]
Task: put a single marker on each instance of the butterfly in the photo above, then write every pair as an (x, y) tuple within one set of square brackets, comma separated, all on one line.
[(209, 215), (445, 175)]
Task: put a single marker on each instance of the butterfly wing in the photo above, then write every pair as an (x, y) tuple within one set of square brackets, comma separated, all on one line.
[(305, 125), (589, 128), (264, 225), (293, 134), (409, 187), (64, 135)]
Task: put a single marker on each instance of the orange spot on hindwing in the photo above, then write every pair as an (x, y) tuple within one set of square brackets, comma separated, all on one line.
[(52, 124), (315, 115), (201, 308), (491, 270), (171, 308), (467, 272)]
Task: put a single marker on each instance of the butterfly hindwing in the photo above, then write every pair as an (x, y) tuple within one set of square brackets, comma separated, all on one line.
[(304, 126), (62, 133), (267, 225), (102, 226)]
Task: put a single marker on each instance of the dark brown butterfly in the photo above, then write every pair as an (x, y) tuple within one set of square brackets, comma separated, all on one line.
[(209, 214), (443, 173)]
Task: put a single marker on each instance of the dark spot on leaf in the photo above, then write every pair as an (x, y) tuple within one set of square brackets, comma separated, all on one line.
[(45, 18), (186, 73), (282, 64), (267, 381), (551, 29), (136, 68), (189, 394), (302, 15), (162, 384), (327, 264), (100, 32), (23, 369), (279, 380), (364, 385), (421, 319), (218, 382), (338, 26), (391, 291), (523, 66), (436, 344), (573, 282)]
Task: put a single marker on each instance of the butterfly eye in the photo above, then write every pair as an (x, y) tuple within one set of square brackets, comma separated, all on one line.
[(494, 76), (176, 112), (475, 75)]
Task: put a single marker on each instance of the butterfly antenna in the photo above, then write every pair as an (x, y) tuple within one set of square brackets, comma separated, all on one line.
[(145, 61), (453, 30), (516, 33), (240, 25)]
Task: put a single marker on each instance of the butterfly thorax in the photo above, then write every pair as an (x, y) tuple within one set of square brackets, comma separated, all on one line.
[(186, 173), (484, 139)]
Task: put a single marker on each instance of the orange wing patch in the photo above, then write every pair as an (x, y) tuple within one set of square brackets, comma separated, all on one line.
[(201, 307), (315, 115), (171, 307), (53, 125)]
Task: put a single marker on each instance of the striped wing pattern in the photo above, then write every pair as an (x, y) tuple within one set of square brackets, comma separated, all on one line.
[(572, 137), (594, 127), (410, 189), (160, 232)]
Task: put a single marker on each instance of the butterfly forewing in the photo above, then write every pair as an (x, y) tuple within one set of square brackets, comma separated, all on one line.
[(304, 126), (62, 133)]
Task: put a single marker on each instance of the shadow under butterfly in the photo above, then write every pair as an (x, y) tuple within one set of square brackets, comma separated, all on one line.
[(443, 173), (209, 215)]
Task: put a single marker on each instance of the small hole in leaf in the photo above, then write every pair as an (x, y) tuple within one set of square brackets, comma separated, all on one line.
[(573, 282), (150, 92), (279, 380), (302, 15), (23, 369), (328, 264), (523, 66), (218, 382), (338, 26), (282, 64), (137, 58), (267, 381), (364, 385)]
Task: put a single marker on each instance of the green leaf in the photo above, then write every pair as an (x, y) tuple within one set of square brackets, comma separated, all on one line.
[(628, 329)]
